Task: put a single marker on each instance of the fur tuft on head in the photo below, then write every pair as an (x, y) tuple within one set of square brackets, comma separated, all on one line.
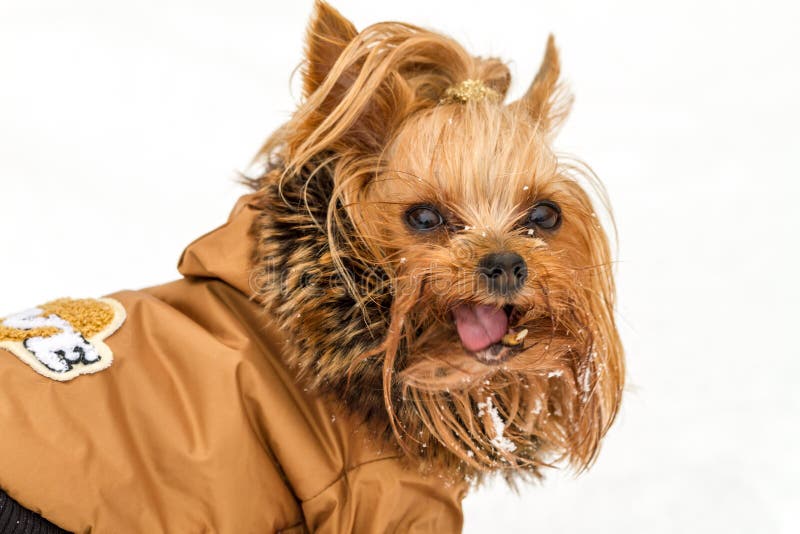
[(382, 309)]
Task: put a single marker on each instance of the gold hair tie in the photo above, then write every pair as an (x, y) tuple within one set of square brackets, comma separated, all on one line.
[(468, 90)]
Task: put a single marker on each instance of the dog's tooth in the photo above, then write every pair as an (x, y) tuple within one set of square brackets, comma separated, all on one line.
[(512, 339)]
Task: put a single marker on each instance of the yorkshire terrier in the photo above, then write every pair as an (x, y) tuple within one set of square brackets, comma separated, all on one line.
[(437, 271), (438, 267)]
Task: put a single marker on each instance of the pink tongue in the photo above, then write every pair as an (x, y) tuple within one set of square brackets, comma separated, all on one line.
[(480, 326)]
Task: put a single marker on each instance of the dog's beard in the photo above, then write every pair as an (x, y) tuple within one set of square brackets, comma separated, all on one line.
[(395, 359), (536, 407)]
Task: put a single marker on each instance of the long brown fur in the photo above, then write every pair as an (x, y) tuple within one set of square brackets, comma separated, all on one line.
[(367, 302)]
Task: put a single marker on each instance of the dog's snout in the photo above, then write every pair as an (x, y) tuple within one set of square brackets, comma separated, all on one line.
[(505, 272)]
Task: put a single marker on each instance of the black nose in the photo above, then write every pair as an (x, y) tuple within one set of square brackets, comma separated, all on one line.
[(505, 272)]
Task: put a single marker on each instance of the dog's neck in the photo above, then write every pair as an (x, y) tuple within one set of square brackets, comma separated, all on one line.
[(300, 284)]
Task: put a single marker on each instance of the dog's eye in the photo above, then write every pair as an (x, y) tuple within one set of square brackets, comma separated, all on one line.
[(546, 215), (424, 218)]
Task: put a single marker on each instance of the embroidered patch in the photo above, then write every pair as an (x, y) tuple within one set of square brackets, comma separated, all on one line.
[(64, 338)]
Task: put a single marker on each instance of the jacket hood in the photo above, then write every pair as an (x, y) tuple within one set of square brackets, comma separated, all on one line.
[(225, 253)]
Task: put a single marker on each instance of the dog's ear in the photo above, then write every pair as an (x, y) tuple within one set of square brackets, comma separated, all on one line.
[(327, 36), (546, 101), (360, 86)]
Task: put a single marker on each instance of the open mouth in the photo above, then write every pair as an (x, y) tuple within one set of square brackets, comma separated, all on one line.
[(486, 332)]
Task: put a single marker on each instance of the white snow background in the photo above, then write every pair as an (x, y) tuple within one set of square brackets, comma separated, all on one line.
[(122, 125)]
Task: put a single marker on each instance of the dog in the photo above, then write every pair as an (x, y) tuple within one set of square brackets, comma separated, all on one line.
[(417, 294), (434, 222)]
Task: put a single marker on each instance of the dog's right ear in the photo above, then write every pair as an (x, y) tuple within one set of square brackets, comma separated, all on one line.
[(327, 36), (546, 101)]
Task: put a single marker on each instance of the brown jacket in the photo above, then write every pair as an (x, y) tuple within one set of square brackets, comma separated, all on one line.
[(198, 426)]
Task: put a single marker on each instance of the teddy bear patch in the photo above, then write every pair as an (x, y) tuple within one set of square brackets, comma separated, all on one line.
[(63, 338)]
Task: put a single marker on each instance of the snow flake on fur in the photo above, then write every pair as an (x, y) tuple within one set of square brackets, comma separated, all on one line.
[(63, 338)]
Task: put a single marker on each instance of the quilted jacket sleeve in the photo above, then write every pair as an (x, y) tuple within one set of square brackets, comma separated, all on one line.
[(381, 496)]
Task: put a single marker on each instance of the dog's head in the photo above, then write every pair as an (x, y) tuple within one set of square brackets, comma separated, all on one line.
[(437, 266)]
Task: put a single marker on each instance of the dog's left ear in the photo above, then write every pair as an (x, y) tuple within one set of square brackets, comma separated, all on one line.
[(360, 86), (546, 101), (327, 36)]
